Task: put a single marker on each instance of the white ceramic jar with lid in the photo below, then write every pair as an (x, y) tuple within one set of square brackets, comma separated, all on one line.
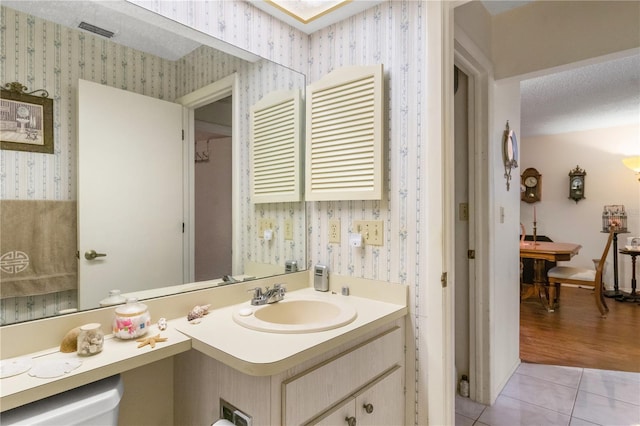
[(131, 320)]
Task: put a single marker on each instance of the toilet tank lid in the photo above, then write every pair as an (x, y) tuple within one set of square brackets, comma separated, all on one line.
[(71, 407)]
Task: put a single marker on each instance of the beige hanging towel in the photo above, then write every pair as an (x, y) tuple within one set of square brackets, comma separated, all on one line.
[(37, 247)]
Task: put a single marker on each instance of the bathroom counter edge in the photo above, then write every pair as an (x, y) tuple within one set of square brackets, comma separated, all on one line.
[(117, 356)]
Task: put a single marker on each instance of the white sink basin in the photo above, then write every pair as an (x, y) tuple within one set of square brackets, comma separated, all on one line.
[(296, 316)]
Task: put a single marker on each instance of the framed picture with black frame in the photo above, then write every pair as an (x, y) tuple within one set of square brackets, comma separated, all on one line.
[(26, 119)]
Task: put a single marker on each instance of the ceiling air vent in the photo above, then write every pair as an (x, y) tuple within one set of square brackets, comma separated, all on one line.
[(96, 30)]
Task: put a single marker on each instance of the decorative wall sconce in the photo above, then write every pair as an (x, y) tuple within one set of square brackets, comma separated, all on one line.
[(633, 163), (576, 184), (509, 152)]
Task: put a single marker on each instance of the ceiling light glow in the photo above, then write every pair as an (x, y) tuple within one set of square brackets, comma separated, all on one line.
[(307, 11)]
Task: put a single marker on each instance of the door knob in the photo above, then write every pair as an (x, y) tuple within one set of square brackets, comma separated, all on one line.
[(92, 254), (351, 421), (368, 408)]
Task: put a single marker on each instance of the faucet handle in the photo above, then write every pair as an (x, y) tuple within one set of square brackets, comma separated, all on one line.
[(280, 288), (257, 292)]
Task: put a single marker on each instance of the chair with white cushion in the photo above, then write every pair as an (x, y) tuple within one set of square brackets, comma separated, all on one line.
[(583, 276)]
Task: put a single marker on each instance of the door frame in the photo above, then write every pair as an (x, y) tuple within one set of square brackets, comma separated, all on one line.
[(479, 283), (227, 86)]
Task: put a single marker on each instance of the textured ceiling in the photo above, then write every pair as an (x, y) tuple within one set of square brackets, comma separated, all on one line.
[(592, 97), (133, 26), (596, 96), (129, 31)]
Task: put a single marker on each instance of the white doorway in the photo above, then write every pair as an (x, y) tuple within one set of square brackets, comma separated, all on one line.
[(213, 139), (202, 97), (463, 251), (472, 182)]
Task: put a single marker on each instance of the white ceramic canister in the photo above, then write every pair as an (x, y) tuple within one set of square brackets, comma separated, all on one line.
[(131, 320)]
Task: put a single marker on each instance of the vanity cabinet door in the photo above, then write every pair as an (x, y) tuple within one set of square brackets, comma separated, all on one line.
[(340, 415), (381, 403), (312, 392)]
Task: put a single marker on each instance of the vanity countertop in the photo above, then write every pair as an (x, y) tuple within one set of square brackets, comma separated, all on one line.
[(252, 352), (117, 356), (260, 353)]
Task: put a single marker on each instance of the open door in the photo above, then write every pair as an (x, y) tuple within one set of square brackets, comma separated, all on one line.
[(130, 192)]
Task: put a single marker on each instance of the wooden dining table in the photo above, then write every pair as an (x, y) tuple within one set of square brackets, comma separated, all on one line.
[(541, 251)]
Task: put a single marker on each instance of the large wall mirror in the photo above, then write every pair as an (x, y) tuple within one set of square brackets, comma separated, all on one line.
[(161, 59)]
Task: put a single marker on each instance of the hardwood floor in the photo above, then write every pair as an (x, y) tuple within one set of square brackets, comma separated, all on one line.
[(575, 334)]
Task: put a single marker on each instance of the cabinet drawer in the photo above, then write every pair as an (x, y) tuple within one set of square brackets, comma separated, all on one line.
[(309, 393), (379, 404)]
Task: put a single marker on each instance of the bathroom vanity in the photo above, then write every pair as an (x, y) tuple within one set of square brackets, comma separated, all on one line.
[(355, 370)]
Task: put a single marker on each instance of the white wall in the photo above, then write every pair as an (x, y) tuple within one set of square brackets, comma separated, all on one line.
[(599, 152), (505, 257), (494, 349), (547, 34)]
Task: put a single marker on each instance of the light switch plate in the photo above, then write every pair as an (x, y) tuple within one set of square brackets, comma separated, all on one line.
[(263, 225), (288, 229), (372, 231)]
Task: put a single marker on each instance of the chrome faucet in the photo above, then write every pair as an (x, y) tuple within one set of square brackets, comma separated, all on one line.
[(266, 296)]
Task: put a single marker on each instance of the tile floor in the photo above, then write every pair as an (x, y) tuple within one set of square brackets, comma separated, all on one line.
[(549, 395)]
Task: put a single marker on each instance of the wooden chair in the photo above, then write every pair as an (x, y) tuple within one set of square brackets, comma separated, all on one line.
[(583, 276)]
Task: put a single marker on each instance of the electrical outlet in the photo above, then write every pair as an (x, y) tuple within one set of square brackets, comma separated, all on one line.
[(372, 231), (288, 229), (334, 230)]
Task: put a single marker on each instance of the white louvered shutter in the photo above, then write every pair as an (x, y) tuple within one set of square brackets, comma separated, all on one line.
[(276, 151), (344, 148)]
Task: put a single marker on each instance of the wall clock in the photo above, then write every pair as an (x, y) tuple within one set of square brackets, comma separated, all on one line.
[(576, 184), (531, 181)]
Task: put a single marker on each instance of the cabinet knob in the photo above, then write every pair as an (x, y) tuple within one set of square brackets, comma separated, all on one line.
[(351, 421), (368, 408)]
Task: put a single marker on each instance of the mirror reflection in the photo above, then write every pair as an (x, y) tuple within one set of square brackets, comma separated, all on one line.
[(221, 235)]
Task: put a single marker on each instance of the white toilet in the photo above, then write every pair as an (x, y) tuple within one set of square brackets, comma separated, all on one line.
[(95, 404)]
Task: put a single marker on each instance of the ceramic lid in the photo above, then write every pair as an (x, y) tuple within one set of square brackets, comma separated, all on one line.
[(115, 298), (131, 308), (90, 326)]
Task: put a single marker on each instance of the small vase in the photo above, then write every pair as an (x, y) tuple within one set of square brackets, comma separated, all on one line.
[(90, 339)]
